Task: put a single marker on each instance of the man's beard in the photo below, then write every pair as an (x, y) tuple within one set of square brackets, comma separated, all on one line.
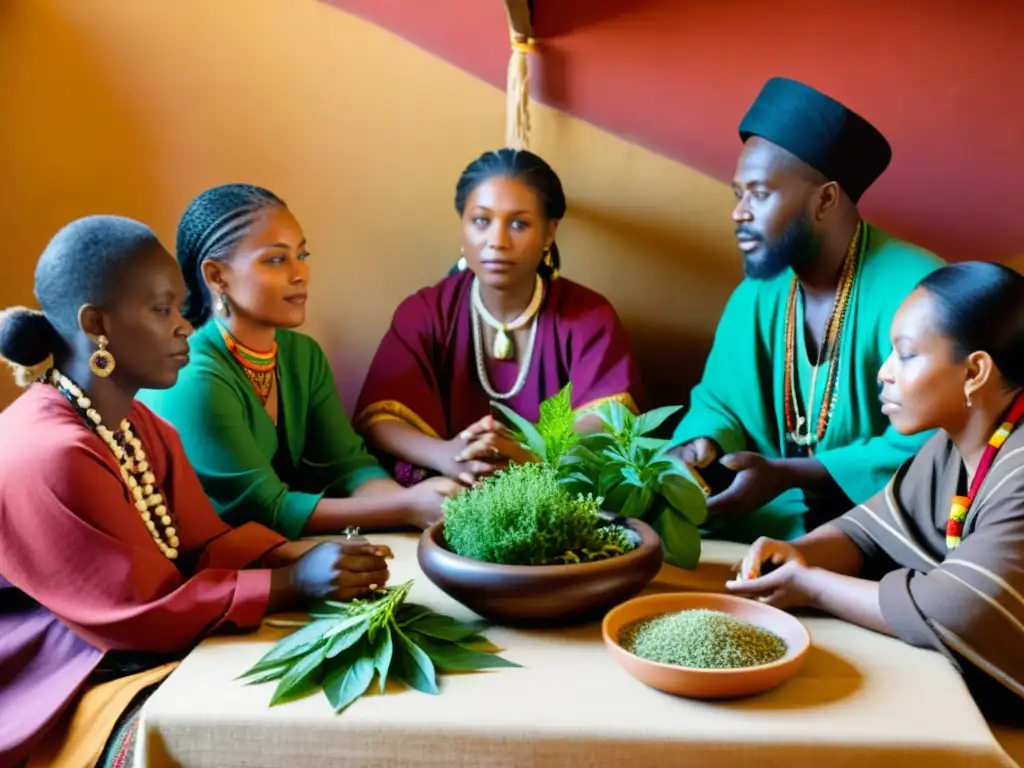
[(795, 247)]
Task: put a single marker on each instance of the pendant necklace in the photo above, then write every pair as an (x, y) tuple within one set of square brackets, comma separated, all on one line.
[(503, 348)]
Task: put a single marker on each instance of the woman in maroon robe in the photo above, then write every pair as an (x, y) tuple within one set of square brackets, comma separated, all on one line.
[(503, 328), (112, 561)]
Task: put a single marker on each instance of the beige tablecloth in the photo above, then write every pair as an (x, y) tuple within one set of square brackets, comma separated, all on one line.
[(862, 699)]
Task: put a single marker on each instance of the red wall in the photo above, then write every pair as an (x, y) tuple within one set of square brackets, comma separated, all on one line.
[(943, 79)]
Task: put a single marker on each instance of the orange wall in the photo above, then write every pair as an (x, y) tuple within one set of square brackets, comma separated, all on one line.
[(134, 107)]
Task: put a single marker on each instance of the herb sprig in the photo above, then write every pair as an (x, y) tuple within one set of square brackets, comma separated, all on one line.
[(344, 646)]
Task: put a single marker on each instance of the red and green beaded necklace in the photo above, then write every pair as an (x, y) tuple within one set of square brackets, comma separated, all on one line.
[(962, 504), (259, 367)]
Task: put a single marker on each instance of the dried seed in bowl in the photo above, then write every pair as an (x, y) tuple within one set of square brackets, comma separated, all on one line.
[(703, 639)]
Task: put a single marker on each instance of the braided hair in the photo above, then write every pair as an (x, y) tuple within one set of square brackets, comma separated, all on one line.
[(82, 264), (520, 165), (211, 227)]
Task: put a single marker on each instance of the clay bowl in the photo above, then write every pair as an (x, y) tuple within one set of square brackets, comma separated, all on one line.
[(540, 594), (708, 683)]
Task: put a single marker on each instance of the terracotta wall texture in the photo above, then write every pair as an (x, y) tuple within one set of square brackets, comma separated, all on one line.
[(134, 108)]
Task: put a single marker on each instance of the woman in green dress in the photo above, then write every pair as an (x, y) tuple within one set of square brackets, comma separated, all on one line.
[(257, 408)]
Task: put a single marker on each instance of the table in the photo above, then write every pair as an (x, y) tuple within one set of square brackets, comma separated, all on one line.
[(861, 698)]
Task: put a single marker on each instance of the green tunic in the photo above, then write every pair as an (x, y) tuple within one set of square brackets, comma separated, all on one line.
[(251, 469), (739, 401)]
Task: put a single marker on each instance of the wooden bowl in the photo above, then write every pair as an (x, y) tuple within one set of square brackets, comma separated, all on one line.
[(697, 683), (540, 594)]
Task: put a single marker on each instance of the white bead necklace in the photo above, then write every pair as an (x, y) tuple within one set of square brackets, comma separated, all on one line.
[(481, 363), (135, 472), (502, 349)]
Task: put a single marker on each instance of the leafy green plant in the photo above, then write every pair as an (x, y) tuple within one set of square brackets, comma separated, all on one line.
[(524, 515), (554, 434), (344, 646), (638, 478), (627, 467)]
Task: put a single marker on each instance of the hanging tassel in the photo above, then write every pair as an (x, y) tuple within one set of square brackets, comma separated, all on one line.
[(517, 108)]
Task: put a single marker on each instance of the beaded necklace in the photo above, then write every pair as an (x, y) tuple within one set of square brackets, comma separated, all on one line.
[(798, 426), (960, 506), (259, 367), (135, 471)]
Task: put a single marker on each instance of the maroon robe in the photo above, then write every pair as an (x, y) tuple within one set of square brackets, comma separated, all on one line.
[(425, 370), (80, 575)]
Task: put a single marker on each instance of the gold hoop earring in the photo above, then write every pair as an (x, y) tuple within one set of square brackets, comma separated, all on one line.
[(101, 362)]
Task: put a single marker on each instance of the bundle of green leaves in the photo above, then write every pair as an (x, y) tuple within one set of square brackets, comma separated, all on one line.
[(524, 515), (345, 646), (624, 464)]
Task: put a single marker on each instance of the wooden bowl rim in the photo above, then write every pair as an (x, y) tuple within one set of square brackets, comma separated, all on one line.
[(649, 541), (789, 658)]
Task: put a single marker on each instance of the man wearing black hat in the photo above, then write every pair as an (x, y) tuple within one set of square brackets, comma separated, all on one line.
[(785, 424)]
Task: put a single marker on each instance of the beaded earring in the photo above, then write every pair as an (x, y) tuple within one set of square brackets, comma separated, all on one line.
[(101, 362), (550, 263)]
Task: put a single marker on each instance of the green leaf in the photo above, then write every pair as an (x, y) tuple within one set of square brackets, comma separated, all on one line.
[(411, 665), (637, 503), (299, 674), (383, 651), (684, 495), (616, 499), (611, 475), (410, 612), (268, 674), (680, 537), (577, 477), (583, 452), (528, 435), (295, 644), (347, 638), (632, 477), (445, 628), (653, 419), (458, 658), (557, 424), (348, 683), (650, 443)]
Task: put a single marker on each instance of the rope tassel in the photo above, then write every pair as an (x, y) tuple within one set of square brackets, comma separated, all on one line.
[(517, 108)]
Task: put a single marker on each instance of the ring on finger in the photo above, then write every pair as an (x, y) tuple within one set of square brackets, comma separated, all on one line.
[(495, 451)]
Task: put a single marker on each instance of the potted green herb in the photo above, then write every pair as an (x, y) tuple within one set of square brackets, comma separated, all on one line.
[(525, 515), (344, 646), (522, 548), (622, 463)]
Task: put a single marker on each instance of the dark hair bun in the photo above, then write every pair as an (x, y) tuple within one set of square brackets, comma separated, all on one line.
[(27, 338)]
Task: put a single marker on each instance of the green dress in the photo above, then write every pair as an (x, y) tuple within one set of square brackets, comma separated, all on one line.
[(739, 401), (251, 469)]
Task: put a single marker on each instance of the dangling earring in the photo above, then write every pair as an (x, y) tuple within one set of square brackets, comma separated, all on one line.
[(462, 265), (967, 399), (101, 362), (222, 305), (550, 263)]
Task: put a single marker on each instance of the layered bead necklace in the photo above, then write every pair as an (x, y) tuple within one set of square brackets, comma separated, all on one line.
[(259, 367), (503, 348), (799, 425), (135, 471)]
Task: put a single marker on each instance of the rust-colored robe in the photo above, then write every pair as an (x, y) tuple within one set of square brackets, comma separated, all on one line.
[(80, 575), (967, 603)]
